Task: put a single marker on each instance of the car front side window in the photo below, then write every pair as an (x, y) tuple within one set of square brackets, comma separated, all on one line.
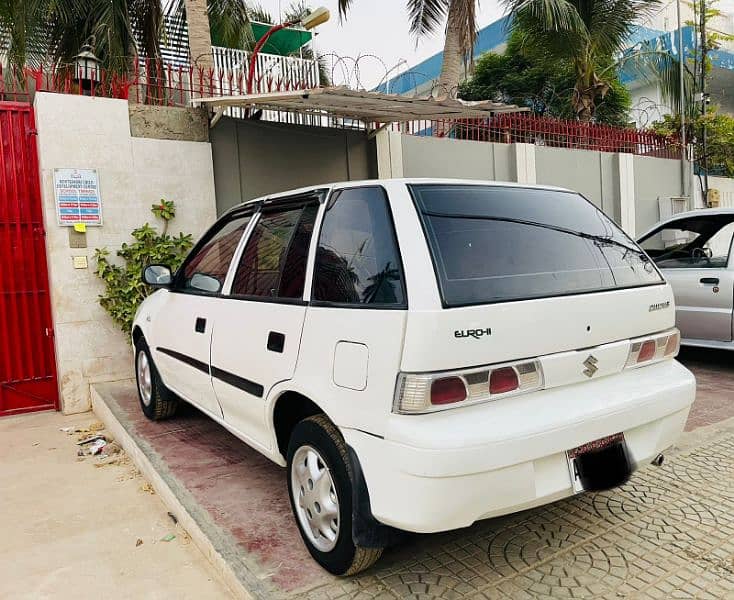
[(694, 244), (206, 267)]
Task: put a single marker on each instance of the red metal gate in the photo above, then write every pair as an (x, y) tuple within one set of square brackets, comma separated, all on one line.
[(27, 361)]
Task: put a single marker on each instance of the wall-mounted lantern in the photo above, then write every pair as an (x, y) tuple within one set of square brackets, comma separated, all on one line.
[(87, 71)]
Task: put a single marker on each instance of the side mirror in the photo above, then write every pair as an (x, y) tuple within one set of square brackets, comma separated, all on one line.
[(157, 276)]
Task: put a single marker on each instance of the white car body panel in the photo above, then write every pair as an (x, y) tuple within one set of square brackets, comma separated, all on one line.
[(174, 327), (437, 471)]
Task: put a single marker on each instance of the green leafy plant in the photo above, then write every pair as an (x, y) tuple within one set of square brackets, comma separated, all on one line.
[(124, 287)]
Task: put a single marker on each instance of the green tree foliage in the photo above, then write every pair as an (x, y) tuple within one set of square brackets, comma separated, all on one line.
[(541, 81), (124, 287), (720, 142), (586, 34), (38, 31)]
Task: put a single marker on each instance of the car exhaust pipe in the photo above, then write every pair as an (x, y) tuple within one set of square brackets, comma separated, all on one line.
[(658, 460)]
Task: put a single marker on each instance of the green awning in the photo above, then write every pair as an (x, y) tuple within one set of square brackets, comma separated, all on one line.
[(283, 42)]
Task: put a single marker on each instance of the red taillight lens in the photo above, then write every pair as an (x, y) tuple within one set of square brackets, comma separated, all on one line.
[(503, 380), (647, 352), (448, 390), (673, 345)]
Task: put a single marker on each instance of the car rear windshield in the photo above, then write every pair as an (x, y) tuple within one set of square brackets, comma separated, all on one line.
[(496, 244)]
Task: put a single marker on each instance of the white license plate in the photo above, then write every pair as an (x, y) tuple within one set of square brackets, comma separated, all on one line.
[(574, 453)]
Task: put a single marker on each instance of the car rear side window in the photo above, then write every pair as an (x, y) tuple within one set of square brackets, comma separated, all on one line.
[(495, 244), (357, 259), (206, 268), (273, 264)]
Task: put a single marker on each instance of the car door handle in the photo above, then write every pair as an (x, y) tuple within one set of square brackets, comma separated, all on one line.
[(276, 342), (200, 326), (710, 280)]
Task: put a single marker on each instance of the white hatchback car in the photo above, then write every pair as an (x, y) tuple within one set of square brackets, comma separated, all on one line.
[(421, 354)]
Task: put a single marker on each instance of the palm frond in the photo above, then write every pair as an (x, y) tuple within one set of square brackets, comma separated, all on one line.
[(427, 15), (344, 6), (659, 67), (554, 15)]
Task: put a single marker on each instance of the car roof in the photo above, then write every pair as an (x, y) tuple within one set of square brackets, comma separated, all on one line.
[(690, 214), (405, 180)]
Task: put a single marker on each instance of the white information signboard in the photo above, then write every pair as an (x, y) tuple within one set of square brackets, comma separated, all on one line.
[(77, 197)]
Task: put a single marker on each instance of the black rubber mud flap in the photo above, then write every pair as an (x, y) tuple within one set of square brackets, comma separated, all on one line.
[(367, 531)]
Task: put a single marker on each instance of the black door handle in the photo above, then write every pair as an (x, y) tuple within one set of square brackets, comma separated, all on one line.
[(710, 280), (200, 326)]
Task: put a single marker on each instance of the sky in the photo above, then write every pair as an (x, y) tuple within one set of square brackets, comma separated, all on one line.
[(377, 33), (374, 42)]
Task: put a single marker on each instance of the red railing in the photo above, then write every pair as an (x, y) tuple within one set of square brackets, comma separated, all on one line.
[(527, 128), (148, 82)]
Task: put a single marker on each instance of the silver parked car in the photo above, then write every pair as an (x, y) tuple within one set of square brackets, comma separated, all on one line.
[(693, 250)]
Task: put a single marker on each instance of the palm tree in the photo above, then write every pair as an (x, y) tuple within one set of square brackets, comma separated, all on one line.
[(228, 20), (21, 22), (588, 33), (461, 31)]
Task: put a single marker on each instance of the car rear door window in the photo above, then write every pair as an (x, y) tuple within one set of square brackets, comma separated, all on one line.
[(273, 264), (206, 268), (357, 259), (499, 243)]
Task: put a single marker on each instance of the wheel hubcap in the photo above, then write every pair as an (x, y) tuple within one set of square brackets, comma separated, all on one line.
[(315, 498), (145, 382)]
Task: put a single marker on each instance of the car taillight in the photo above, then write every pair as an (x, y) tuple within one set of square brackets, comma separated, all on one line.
[(429, 392), (503, 380), (654, 348), (447, 391)]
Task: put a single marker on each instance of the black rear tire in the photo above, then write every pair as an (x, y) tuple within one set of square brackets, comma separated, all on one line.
[(162, 403), (346, 558)]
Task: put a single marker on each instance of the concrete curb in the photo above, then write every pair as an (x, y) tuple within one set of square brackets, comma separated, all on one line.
[(166, 494)]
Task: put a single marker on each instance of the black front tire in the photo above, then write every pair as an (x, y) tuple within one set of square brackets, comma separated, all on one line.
[(346, 558), (162, 403)]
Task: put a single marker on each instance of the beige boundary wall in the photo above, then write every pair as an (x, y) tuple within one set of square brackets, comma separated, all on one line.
[(133, 172), (626, 187)]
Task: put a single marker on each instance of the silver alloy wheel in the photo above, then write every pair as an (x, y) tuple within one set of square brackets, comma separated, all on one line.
[(145, 378), (315, 498)]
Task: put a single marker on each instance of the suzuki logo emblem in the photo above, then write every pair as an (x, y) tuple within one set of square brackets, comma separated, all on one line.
[(590, 364)]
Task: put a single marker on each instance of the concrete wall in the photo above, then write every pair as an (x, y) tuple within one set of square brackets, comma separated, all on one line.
[(81, 132), (255, 158), (624, 186), (169, 123), (426, 156), (654, 178), (591, 173)]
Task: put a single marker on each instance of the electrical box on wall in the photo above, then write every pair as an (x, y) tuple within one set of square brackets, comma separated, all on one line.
[(668, 207), (672, 205), (713, 198)]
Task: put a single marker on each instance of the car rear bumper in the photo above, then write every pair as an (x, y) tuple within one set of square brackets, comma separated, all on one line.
[(447, 470)]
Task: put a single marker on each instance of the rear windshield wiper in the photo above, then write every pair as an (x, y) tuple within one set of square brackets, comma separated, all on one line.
[(602, 239)]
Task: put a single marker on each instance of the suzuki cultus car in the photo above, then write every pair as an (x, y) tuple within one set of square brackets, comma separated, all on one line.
[(419, 354)]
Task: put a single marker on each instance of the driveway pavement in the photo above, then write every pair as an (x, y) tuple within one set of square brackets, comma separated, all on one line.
[(668, 533)]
